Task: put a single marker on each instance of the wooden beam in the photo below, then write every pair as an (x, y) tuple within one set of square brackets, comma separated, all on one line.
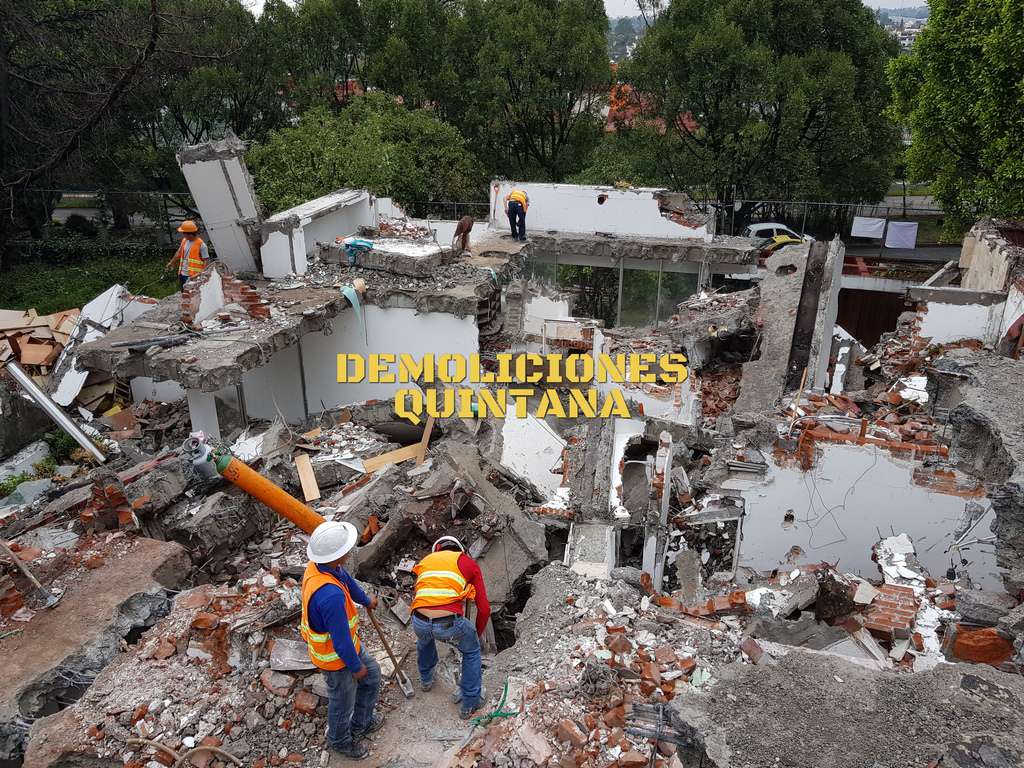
[(310, 489), (422, 452)]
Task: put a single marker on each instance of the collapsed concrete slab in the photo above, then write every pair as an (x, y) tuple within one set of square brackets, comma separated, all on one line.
[(54, 658), (982, 392), (813, 709)]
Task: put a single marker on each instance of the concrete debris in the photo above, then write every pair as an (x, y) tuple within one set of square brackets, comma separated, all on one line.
[(802, 528)]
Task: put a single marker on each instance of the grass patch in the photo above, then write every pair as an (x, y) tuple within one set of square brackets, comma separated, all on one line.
[(50, 287), (89, 201), (915, 188), (10, 484)]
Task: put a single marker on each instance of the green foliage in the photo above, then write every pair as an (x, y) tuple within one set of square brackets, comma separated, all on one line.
[(51, 286), (61, 445), (630, 156), (770, 98), (10, 484), (961, 92), (544, 70), (622, 33), (406, 154)]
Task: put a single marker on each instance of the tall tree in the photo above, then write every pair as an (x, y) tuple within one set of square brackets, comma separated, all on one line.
[(546, 69), (65, 67), (961, 91), (375, 143), (770, 98)]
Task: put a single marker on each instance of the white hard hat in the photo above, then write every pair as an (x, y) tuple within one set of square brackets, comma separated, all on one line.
[(331, 540), (444, 540)]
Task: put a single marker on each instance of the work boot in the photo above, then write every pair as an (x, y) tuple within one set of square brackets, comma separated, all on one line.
[(467, 712), (426, 686), (457, 695), (354, 750), (376, 723)]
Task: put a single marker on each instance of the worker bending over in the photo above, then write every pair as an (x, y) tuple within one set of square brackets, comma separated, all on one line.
[(330, 627), (516, 204), (192, 255), (445, 579)]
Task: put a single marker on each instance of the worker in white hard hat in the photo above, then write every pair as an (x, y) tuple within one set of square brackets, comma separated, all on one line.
[(446, 579), (330, 627)]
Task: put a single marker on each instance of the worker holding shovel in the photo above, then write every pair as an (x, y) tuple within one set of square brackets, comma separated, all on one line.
[(330, 627)]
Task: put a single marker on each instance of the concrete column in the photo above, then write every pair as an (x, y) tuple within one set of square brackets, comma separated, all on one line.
[(202, 410)]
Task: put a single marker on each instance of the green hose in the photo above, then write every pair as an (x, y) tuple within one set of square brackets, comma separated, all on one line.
[(497, 712)]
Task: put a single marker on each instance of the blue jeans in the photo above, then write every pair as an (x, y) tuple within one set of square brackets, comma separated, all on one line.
[(517, 219), (462, 634), (350, 702), (182, 279)]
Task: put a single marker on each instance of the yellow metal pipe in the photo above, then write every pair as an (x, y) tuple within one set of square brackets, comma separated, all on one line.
[(261, 489)]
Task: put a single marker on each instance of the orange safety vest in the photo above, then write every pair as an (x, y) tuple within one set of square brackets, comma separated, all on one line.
[(319, 645), (440, 582), (519, 196), (192, 263)]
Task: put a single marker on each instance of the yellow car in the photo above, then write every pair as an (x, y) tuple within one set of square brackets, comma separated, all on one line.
[(770, 245)]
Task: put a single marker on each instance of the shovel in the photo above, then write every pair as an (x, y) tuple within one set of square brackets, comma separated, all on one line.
[(48, 598), (400, 677)]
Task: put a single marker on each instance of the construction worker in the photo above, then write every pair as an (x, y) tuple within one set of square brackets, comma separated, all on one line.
[(445, 579), (330, 625), (516, 204), (192, 255)]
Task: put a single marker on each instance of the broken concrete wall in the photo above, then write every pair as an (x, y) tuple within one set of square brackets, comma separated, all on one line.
[(764, 380), (289, 236), (21, 420), (827, 312), (74, 640), (590, 209), (951, 314), (222, 190), (983, 392), (988, 256)]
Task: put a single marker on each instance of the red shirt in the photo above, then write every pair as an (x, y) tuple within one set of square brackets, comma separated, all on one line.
[(471, 573)]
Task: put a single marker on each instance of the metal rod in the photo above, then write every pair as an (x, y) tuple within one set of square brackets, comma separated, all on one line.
[(618, 305), (657, 303), (53, 410)]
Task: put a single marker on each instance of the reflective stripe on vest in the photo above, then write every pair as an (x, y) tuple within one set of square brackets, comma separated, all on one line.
[(519, 196), (319, 644), (193, 263), (440, 582)]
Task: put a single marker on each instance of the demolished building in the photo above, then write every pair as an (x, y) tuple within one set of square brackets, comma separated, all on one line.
[(796, 514)]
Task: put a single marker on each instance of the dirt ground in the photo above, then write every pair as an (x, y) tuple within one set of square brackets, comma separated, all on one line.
[(421, 732)]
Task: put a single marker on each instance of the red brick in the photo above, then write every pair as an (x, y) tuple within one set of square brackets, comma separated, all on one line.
[(618, 643), (93, 562), (306, 702), (570, 733), (983, 646)]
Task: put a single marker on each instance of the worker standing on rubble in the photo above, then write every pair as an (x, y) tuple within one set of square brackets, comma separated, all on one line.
[(516, 204), (192, 255), (330, 625), (445, 580)]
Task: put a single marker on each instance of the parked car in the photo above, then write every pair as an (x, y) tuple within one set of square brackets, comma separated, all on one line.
[(770, 245), (773, 229)]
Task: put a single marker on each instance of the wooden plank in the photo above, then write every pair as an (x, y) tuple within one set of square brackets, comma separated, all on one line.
[(391, 457), (310, 489), (35, 354), (422, 452), (312, 433)]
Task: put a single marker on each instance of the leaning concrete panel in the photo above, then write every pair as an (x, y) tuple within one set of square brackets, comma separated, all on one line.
[(222, 189)]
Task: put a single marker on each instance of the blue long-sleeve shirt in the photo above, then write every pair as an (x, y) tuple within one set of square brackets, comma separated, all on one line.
[(327, 614)]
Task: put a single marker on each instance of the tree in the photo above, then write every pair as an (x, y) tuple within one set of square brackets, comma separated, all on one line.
[(960, 92), (545, 74), (621, 36), (770, 98), (374, 143), (65, 66)]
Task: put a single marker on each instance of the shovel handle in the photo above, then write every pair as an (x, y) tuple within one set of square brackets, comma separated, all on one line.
[(24, 568), (380, 633)]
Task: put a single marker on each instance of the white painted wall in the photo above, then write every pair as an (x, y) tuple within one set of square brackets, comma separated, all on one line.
[(530, 448), (943, 323), (145, 388), (575, 208), (211, 297), (539, 309), (624, 429), (223, 194), (202, 410), (392, 331), (276, 385), (1014, 308), (338, 214)]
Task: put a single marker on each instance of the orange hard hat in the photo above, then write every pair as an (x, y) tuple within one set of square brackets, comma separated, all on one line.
[(188, 227)]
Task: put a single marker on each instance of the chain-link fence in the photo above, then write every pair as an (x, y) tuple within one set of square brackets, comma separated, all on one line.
[(825, 220)]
